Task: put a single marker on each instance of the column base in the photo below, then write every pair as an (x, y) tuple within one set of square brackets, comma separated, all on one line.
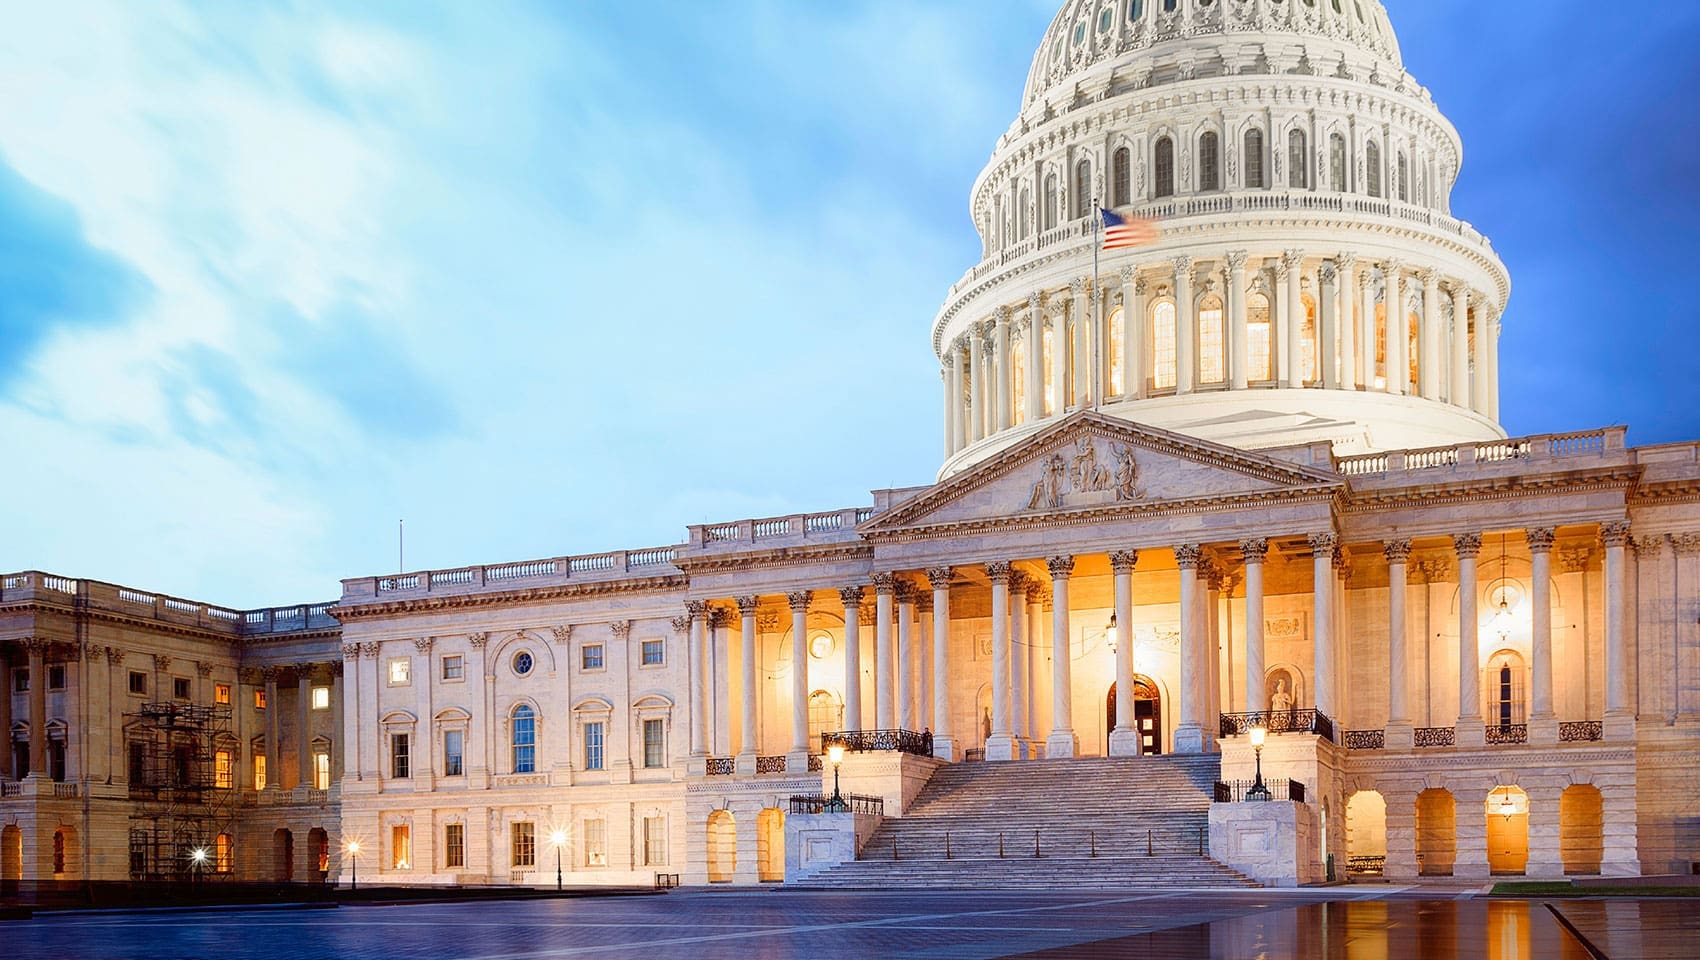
[(944, 748), (1062, 744), (1618, 726), (696, 765), (1544, 870), (1000, 746), (1189, 738), (1471, 871), (1124, 743), (1469, 732), (1620, 868), (797, 761), (1401, 737), (1543, 731), (746, 766)]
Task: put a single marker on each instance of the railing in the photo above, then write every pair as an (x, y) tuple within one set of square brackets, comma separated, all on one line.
[(1274, 788), (857, 803), (771, 528), (519, 571), (1434, 736), (1366, 740), (130, 602), (868, 741), (1551, 446), (974, 755), (1580, 731), (722, 766), (1278, 721), (721, 531), (816, 763), (1508, 733), (1367, 866), (770, 764), (11, 788)]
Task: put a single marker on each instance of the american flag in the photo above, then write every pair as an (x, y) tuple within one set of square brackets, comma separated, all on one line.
[(1121, 231)]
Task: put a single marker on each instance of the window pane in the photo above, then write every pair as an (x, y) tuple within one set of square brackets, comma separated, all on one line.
[(454, 668), (1209, 162), (1254, 158), (401, 847), (1258, 366), (321, 698), (654, 841), (525, 739), (525, 844), (1210, 353), (593, 746), (596, 843), (398, 670), (453, 751), (224, 771), (654, 743), (221, 693), (1307, 342), (1163, 345), (654, 652), (399, 756), (259, 771), (454, 845), (592, 657), (321, 771), (1165, 164)]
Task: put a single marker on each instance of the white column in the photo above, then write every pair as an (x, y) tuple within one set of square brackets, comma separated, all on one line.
[(351, 714), (1347, 267), (1328, 355), (1543, 721), (1322, 612), (1490, 398), (1190, 734), (944, 745), (1290, 272), (697, 611), (1035, 396), (1186, 328), (1210, 605), (304, 717), (1400, 732), (1398, 330), (904, 693), (1366, 331), (1239, 343), (1004, 379), (1035, 655), (852, 600), (1133, 329), (1428, 365), (1470, 732), (1620, 712), (952, 390), (976, 386), (924, 654), (1124, 739), (797, 761), (1062, 741), (1059, 357), (1255, 551), (1018, 643), (885, 676), (274, 725), (749, 743), (1460, 396), (1000, 746), (1083, 308)]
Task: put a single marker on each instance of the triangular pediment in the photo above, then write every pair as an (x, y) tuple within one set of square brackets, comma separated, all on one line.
[(1089, 462)]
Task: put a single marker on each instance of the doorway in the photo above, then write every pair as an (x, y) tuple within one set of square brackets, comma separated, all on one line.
[(1147, 715)]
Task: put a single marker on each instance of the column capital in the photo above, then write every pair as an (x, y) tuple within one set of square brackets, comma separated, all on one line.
[(1323, 543), (1468, 545), (1061, 567), (1292, 259), (1397, 551), (1036, 304), (904, 588), (351, 651), (1327, 273), (114, 655), (370, 648), (422, 644), (1128, 274), (696, 608), (719, 617), (1431, 278), (563, 633), (1189, 555), (851, 596), (1434, 569), (37, 646), (924, 602), (1002, 316), (798, 600), (1036, 592), (1139, 286), (160, 661), (1018, 581), (271, 674), (204, 668), (885, 582), (939, 577), (1347, 261), (1123, 561), (1215, 578), (1079, 287), (1255, 549), (1183, 265), (622, 630), (682, 625), (1236, 259), (746, 605), (1392, 268), (1460, 289), (1540, 539), (1342, 562), (999, 571), (1614, 533), (867, 615), (1575, 559)]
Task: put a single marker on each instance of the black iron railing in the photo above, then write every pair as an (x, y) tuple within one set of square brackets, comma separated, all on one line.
[(868, 741), (856, 802), (1278, 721), (816, 763), (722, 766), (970, 756), (1366, 739), (1580, 731), (1274, 788), (1508, 733), (1435, 736), (770, 764), (1366, 866)]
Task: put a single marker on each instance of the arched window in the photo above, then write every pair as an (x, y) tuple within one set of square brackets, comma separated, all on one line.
[(1337, 163), (1050, 211), (1082, 189), (1116, 329), (1505, 689), (1254, 159), (1024, 216), (224, 853), (1169, 5), (1165, 166), (1381, 346), (1050, 342), (1209, 161), (1307, 341), (1018, 376), (1163, 345), (826, 715), (1404, 179), (1259, 369), (1298, 160), (524, 739), (1211, 352), (1372, 168), (1121, 169), (1413, 325)]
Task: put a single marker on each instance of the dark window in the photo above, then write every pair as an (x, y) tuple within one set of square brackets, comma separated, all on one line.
[(1372, 168), (1165, 164), (1082, 189), (1121, 169), (21, 680), (138, 682), (20, 760), (399, 756), (56, 676), (590, 657), (1050, 201), (1254, 159), (454, 845), (1298, 160), (138, 764), (1337, 163), (56, 760), (1209, 161), (453, 751), (180, 687), (1404, 179)]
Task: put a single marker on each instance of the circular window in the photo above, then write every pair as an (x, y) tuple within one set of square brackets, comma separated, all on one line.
[(522, 663), (821, 646)]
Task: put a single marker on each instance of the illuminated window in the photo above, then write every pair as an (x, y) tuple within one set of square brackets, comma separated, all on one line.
[(1165, 167), (525, 844), (321, 771), (1307, 341), (1210, 341), (454, 845), (1413, 325), (321, 698), (1163, 345), (1259, 368), (654, 743), (259, 771), (1504, 677), (826, 715), (224, 770), (1116, 331), (259, 698), (596, 843), (224, 854), (401, 847), (1018, 378), (654, 841), (1050, 375), (524, 739), (221, 693), (399, 667), (1381, 345)]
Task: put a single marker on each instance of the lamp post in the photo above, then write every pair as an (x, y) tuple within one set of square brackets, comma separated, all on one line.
[(1258, 791), (354, 864), (559, 839), (198, 860), (835, 754), (1110, 637)]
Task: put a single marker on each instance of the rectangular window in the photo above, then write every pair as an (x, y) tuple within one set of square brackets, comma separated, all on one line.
[(401, 847), (454, 845), (454, 668), (654, 653), (321, 771), (655, 841), (180, 687), (525, 844), (21, 680), (399, 667), (453, 749), (399, 756), (655, 743), (21, 760), (221, 693), (596, 843), (259, 698), (56, 760), (56, 676), (590, 658), (259, 771), (224, 771), (593, 746), (321, 698), (138, 683)]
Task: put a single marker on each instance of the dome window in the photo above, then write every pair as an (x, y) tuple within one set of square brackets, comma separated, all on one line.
[(1254, 160), (1209, 161), (1050, 212), (1080, 33), (1121, 177), (1164, 162), (1135, 10), (1372, 168), (1337, 163), (1337, 7), (1106, 19), (1082, 189), (1298, 160), (1360, 6), (1169, 6)]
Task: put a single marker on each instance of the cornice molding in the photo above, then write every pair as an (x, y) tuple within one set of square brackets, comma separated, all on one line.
[(369, 611)]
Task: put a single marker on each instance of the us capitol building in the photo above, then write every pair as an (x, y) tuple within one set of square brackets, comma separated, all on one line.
[(1249, 485)]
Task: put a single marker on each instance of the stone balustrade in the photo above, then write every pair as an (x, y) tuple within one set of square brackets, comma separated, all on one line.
[(1517, 454), (97, 595)]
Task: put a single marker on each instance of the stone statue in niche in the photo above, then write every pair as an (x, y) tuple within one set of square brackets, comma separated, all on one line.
[(1048, 492), (1088, 474), (985, 724), (1127, 472), (1280, 696)]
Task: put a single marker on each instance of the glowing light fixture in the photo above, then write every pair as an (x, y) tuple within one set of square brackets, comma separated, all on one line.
[(1110, 633), (1507, 806)]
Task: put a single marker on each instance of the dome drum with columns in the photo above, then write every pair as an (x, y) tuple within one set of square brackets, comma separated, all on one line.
[(1301, 179)]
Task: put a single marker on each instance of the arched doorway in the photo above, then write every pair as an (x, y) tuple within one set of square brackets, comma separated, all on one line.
[(1581, 839), (1507, 830), (722, 846), (1147, 714), (1366, 834), (283, 856), (319, 853), (770, 845), (1437, 833), (11, 858)]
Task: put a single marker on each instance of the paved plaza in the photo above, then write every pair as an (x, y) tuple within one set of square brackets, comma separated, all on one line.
[(1391, 922)]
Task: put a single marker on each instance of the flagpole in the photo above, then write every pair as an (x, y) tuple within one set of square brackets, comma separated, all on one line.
[(1097, 309)]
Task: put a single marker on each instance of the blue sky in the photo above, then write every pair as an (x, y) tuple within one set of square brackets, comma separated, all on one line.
[(551, 279)]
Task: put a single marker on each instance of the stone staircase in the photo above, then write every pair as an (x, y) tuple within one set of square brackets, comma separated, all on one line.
[(1095, 822)]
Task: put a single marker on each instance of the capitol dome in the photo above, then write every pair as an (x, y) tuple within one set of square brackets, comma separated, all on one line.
[(1300, 182)]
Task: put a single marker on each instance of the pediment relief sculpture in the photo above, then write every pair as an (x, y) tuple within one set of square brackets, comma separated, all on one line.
[(1062, 479)]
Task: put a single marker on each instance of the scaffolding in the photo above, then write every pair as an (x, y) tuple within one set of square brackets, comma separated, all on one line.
[(182, 782)]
